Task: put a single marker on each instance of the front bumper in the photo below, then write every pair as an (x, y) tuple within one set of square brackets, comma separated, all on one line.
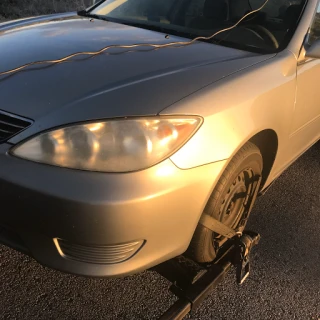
[(158, 208)]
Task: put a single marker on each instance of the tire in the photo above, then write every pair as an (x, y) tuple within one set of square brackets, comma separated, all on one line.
[(222, 204)]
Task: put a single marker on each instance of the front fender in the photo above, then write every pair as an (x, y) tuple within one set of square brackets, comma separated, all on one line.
[(238, 107)]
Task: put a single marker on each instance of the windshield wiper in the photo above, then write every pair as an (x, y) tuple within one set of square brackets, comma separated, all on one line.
[(84, 13), (239, 46), (141, 25), (152, 27)]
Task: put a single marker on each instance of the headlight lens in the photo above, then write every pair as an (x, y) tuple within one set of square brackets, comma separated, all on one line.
[(111, 146)]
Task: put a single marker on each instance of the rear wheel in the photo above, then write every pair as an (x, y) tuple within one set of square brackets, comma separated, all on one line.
[(227, 202)]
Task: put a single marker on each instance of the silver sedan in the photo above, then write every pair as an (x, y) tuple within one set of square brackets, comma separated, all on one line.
[(124, 127)]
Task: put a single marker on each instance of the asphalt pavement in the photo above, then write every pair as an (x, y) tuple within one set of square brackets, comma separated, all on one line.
[(284, 283)]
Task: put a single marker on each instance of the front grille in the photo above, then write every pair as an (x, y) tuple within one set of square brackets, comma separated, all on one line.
[(11, 125), (98, 254)]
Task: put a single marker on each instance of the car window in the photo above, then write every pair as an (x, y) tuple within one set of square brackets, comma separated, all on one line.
[(142, 9), (275, 8), (268, 30), (315, 27), (194, 9)]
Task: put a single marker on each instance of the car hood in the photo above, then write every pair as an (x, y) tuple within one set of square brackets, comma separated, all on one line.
[(118, 83)]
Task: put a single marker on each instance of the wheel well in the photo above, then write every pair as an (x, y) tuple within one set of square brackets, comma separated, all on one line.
[(267, 142)]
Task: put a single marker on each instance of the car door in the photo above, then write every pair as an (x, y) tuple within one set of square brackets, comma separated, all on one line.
[(306, 122)]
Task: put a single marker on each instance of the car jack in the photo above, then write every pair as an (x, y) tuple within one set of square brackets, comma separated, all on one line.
[(192, 282)]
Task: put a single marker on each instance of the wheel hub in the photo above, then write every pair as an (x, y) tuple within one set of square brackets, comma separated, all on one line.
[(233, 204)]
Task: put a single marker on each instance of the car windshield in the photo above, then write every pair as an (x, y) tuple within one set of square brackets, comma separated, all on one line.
[(268, 30)]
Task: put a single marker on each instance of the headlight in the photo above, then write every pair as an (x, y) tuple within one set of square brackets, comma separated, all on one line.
[(111, 146)]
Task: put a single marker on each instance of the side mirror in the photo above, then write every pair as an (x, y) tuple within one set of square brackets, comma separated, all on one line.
[(314, 50)]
